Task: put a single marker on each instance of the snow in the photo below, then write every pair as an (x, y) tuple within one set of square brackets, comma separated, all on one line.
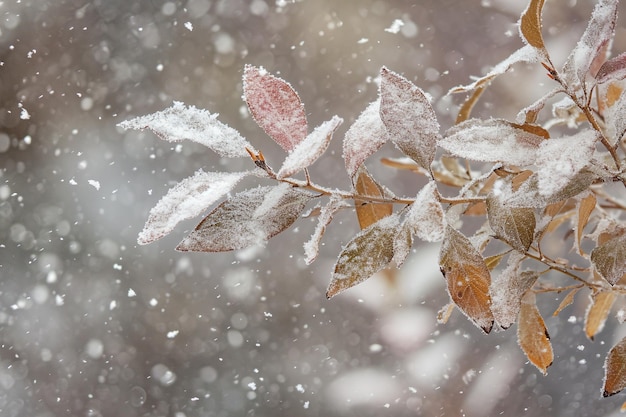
[(395, 27), (364, 137)]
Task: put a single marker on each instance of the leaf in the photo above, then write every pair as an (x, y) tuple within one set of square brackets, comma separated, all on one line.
[(467, 278), (185, 200), (615, 370), (599, 307), (367, 253), (614, 119), (530, 25), (567, 300), (275, 106), (425, 217), (532, 334), (311, 247), (409, 118), (369, 213), (514, 225), (181, 122), (366, 135), (468, 104), (507, 290), (612, 70), (311, 148), (247, 218), (492, 140), (609, 259), (585, 207)]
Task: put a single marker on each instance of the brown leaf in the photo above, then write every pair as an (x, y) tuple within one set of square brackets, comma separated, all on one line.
[(467, 278), (615, 370), (530, 24), (468, 104), (609, 259), (369, 213), (514, 225), (599, 307), (532, 334), (585, 206), (567, 300)]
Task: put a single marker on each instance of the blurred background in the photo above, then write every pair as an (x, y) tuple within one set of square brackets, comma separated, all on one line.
[(92, 325)]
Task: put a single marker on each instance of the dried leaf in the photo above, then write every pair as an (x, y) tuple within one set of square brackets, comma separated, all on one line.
[(275, 106), (615, 370), (311, 247), (443, 315), (366, 135), (425, 217), (306, 152), (409, 118), (585, 207), (614, 119), (507, 289), (367, 253), (609, 259), (598, 310), (530, 25), (467, 278), (367, 212), (185, 200), (567, 300), (181, 122), (532, 334), (514, 225), (612, 70), (492, 261), (466, 108), (247, 218)]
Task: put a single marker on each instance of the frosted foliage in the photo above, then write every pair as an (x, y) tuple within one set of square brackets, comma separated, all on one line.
[(311, 148), (492, 140), (366, 135), (311, 247), (181, 122), (561, 159), (187, 199), (507, 289), (425, 217), (615, 120), (612, 70)]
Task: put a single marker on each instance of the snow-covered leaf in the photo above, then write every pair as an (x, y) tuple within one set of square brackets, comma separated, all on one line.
[(614, 119), (507, 289), (311, 148), (528, 194), (247, 218), (369, 212), (615, 370), (275, 106), (367, 253), (185, 200), (600, 304), (612, 70), (530, 113), (366, 135), (467, 278), (514, 225), (409, 118), (609, 259), (425, 217), (532, 334), (530, 26), (492, 140), (181, 122), (311, 247)]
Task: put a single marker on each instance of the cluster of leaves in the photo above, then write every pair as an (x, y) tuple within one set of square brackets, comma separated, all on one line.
[(514, 175)]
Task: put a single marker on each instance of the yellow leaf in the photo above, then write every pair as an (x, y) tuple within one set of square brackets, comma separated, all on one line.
[(532, 334), (530, 24), (567, 300), (597, 312), (369, 213), (585, 207), (615, 370)]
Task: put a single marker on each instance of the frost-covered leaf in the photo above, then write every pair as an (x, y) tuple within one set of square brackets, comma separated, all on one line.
[(615, 370), (532, 334), (514, 225), (311, 247), (425, 217), (275, 106), (584, 208), (507, 289), (409, 118), (492, 140), (181, 122), (530, 25), (560, 159), (529, 114), (609, 259), (366, 135), (467, 278), (600, 304), (247, 218), (529, 195), (311, 148), (614, 119), (367, 253), (593, 48), (185, 200), (466, 108), (369, 212), (612, 70)]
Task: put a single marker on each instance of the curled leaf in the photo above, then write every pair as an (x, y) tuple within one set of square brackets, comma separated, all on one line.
[(615, 370), (532, 334)]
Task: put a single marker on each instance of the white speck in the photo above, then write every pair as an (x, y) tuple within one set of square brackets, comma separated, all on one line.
[(112, 305), (413, 390), (571, 319), (267, 314), (153, 302), (28, 139), (31, 53), (94, 348), (189, 26), (95, 184), (375, 348), (51, 277), (24, 115), (362, 40), (305, 405), (131, 292), (59, 300), (580, 347), (395, 26), (117, 267), (300, 388), (72, 181), (172, 334), (252, 386), (163, 374)]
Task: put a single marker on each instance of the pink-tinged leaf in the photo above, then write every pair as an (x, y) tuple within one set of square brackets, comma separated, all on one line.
[(409, 118), (615, 370), (248, 218), (560, 159), (367, 253), (514, 225), (311, 148), (492, 140), (311, 247), (275, 106), (593, 48), (181, 122), (532, 334), (185, 200), (612, 70), (467, 278), (425, 218), (366, 135), (609, 259)]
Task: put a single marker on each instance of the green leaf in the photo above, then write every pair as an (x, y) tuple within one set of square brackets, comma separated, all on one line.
[(514, 225), (609, 259), (247, 218), (367, 253)]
